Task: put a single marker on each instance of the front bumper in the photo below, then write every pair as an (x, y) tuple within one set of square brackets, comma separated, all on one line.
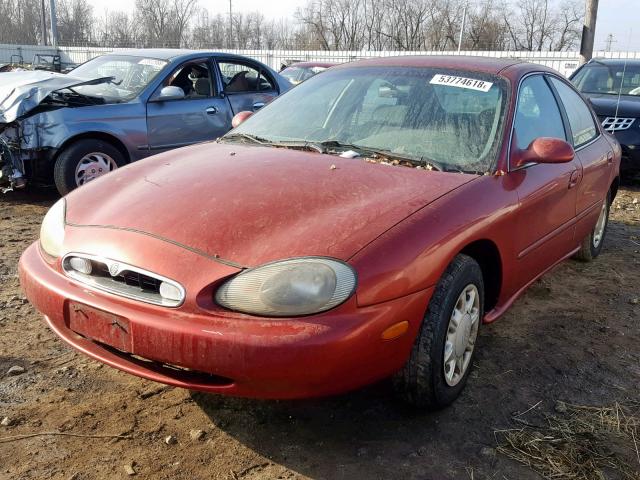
[(231, 353)]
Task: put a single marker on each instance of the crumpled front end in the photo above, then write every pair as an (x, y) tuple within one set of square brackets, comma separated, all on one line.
[(30, 125), (21, 153), (12, 171)]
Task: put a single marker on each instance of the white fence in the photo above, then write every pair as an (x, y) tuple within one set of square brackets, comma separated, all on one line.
[(564, 62)]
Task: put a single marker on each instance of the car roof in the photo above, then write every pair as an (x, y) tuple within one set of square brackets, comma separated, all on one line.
[(167, 53), (616, 62), (312, 64), (464, 62)]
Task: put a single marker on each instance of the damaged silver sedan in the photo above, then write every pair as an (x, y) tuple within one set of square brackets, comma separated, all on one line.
[(119, 108)]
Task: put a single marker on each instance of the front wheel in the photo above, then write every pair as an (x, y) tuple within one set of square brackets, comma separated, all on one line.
[(592, 244), (84, 161), (443, 352)]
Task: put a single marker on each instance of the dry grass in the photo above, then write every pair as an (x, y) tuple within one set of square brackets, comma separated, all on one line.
[(582, 443)]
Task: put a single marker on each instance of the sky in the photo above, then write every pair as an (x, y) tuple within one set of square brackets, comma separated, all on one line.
[(621, 18)]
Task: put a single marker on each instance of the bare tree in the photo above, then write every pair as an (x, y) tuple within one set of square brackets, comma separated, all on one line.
[(313, 16), (75, 21), (20, 21), (319, 24), (164, 23), (535, 25), (568, 25), (181, 13), (119, 30)]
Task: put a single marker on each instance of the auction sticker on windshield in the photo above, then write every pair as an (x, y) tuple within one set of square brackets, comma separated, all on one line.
[(152, 62), (461, 82)]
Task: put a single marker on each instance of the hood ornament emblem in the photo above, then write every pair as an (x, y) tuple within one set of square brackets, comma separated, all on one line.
[(114, 269)]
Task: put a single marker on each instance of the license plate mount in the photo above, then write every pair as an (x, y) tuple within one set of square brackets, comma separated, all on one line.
[(100, 326)]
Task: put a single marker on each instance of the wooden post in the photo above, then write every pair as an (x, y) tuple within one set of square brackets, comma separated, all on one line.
[(588, 30)]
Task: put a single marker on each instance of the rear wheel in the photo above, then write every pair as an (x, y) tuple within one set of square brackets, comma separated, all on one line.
[(592, 244), (84, 161), (442, 355)]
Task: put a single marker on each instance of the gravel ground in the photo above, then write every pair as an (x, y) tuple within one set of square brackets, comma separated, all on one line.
[(574, 337)]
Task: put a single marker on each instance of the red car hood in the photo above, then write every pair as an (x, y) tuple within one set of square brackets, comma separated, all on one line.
[(250, 204)]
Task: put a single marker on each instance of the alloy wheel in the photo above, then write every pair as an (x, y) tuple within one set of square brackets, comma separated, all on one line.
[(461, 335)]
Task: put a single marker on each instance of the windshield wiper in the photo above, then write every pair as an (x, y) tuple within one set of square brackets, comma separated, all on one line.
[(270, 143), (92, 100), (244, 136), (460, 170), (380, 152), (331, 146)]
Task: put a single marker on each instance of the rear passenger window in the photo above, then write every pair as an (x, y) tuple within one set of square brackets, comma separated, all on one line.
[(537, 113), (583, 128), (240, 77)]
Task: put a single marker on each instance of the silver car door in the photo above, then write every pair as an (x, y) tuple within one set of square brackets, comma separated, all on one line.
[(247, 85), (201, 114)]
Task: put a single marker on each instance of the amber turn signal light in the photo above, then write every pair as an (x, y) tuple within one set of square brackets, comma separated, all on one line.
[(395, 330)]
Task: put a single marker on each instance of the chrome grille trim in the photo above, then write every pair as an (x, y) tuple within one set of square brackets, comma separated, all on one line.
[(616, 124), (122, 279)]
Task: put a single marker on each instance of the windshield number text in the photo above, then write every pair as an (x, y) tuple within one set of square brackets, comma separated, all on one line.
[(461, 82)]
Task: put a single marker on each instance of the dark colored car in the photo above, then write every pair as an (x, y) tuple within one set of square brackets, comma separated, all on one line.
[(363, 225), (119, 108), (301, 71), (613, 87)]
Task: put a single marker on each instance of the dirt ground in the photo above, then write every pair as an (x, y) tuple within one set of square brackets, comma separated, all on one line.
[(574, 337)]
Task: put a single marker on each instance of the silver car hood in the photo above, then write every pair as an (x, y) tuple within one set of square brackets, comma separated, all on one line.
[(21, 92)]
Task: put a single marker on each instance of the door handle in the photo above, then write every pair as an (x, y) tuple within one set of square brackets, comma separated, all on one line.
[(575, 177), (610, 157), (211, 110), (258, 105)]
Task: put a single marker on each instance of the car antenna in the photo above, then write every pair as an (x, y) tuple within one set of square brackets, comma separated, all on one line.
[(624, 71)]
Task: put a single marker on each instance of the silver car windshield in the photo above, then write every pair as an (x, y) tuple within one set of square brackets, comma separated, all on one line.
[(446, 117), (300, 74), (130, 76)]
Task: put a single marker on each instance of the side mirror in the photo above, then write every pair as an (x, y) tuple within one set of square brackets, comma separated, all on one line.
[(240, 117), (170, 93), (543, 150)]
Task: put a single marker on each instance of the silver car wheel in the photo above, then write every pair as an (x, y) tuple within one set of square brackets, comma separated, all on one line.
[(92, 166), (598, 231), (461, 335)]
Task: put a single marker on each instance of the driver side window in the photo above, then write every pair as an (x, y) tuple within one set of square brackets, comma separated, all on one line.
[(537, 113), (193, 78)]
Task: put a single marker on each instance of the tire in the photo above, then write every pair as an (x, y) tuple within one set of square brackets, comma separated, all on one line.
[(99, 157), (422, 381), (592, 245)]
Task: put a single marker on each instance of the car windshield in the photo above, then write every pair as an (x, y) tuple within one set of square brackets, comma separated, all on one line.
[(299, 74), (616, 79), (432, 115), (130, 75)]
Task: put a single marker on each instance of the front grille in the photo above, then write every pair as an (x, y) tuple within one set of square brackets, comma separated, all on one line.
[(123, 279), (145, 283), (616, 124)]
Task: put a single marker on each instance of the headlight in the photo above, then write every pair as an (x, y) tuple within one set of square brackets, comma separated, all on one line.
[(299, 286), (52, 229)]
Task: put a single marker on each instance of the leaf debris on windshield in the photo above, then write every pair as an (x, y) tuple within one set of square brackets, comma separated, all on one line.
[(396, 162)]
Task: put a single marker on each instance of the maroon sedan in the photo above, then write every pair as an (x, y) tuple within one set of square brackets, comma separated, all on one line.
[(363, 225)]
